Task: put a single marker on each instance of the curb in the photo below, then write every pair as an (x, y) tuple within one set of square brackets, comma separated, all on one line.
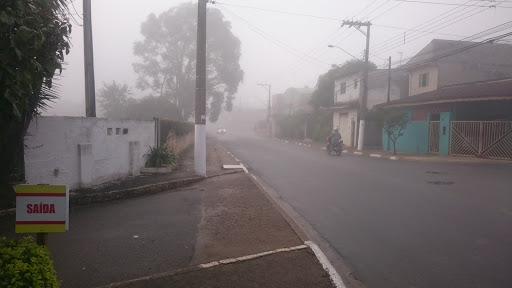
[(358, 153), (87, 199), (375, 155), (80, 200)]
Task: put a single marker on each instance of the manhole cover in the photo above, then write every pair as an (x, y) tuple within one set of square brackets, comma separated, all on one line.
[(440, 182)]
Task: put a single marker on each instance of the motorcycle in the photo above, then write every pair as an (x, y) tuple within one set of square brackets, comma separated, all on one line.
[(337, 147)]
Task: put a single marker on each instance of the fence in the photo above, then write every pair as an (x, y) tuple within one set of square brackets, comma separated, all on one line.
[(490, 139)]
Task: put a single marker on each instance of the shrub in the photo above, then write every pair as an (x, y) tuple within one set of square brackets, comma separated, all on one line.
[(179, 128), (160, 156), (23, 263)]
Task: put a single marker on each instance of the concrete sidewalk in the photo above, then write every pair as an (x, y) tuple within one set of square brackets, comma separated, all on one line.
[(375, 153), (220, 232), (242, 240)]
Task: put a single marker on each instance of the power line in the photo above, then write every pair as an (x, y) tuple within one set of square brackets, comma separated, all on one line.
[(77, 14), (487, 32), (368, 6), (452, 4), (438, 24), (278, 11), (290, 50), (415, 30), (423, 62), (422, 25), (398, 4), (387, 1)]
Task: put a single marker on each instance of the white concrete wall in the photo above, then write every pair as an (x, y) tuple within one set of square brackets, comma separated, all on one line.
[(351, 93), (414, 78), (79, 152), (343, 120)]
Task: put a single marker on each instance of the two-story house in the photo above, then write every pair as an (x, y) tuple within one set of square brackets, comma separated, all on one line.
[(347, 92), (455, 81)]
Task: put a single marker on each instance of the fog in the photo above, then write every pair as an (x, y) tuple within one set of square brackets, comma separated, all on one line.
[(284, 49)]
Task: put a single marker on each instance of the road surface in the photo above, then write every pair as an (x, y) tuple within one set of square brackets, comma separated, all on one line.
[(396, 223)]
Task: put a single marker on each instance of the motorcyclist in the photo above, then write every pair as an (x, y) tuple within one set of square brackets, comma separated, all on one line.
[(334, 137)]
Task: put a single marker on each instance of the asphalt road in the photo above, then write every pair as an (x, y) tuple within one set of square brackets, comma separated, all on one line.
[(396, 223), (127, 239)]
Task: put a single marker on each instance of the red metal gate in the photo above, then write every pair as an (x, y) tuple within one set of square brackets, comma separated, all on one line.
[(491, 139)]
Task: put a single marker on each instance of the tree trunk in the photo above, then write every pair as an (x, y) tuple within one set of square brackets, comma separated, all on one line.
[(394, 147), (11, 145)]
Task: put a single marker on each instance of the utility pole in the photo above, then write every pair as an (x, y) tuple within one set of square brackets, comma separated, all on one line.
[(269, 87), (389, 79), (90, 90), (363, 97), (200, 105)]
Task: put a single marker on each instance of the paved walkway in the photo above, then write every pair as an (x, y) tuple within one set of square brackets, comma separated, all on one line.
[(220, 232)]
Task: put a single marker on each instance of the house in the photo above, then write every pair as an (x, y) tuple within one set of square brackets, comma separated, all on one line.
[(294, 101), (346, 102), (460, 100)]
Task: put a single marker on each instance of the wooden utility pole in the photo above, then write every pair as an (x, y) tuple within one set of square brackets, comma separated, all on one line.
[(363, 97), (200, 105), (90, 90), (389, 79)]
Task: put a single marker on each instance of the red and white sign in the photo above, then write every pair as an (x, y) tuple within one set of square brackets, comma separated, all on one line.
[(42, 208)]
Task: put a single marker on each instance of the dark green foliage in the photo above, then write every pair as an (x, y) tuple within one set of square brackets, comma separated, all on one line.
[(160, 156), (26, 264), (321, 125), (178, 128), (291, 126), (34, 37)]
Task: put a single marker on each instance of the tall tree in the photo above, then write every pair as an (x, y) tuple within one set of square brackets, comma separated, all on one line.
[(35, 37), (168, 54), (323, 96), (113, 99)]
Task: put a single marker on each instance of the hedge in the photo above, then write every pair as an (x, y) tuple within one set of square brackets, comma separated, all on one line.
[(179, 128), (23, 263)]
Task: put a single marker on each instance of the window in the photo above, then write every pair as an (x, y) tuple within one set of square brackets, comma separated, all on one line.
[(355, 83), (343, 88), (424, 80)]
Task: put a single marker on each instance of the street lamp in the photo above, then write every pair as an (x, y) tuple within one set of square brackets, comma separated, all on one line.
[(269, 87), (333, 46)]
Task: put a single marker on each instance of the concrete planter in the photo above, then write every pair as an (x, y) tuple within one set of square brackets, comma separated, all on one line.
[(155, 170)]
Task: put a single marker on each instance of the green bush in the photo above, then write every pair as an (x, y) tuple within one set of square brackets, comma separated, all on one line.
[(160, 156), (23, 263), (179, 128)]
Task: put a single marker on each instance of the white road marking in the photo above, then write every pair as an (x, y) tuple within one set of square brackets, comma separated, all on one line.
[(375, 155), (253, 256), (243, 167), (335, 277)]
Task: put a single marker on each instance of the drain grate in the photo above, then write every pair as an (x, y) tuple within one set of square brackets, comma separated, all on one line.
[(440, 182)]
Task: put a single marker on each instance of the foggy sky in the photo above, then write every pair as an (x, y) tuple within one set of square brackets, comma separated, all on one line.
[(271, 58)]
